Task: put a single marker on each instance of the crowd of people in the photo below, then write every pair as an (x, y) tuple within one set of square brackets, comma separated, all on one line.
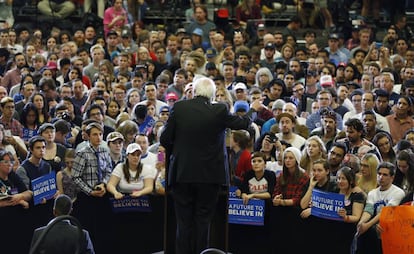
[(91, 106)]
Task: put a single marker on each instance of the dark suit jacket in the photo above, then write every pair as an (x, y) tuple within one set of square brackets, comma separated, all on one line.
[(62, 239), (194, 137)]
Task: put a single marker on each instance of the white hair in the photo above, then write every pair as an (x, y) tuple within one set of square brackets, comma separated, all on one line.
[(204, 87)]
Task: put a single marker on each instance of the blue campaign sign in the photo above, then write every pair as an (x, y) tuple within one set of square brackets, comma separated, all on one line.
[(146, 125), (130, 204), (326, 204), (250, 214), (44, 187), (232, 192)]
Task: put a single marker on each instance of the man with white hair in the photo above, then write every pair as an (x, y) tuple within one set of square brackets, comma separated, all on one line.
[(194, 137)]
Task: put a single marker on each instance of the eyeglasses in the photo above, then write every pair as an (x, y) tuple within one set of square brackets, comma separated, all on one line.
[(328, 113)]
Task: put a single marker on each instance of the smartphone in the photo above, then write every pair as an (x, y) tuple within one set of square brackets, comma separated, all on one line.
[(161, 156), (7, 133), (100, 92)]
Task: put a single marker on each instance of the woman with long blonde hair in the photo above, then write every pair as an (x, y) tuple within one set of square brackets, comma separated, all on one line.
[(367, 177), (313, 150)]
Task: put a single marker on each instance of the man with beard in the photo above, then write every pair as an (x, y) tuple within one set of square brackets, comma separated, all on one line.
[(14, 76), (287, 124), (390, 40), (328, 131), (269, 61), (401, 120), (201, 21), (335, 156), (355, 139)]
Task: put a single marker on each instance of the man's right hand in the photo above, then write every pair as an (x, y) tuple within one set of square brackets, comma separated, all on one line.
[(257, 105)]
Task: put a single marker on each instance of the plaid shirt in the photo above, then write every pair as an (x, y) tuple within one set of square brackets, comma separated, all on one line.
[(293, 190), (85, 172), (14, 126)]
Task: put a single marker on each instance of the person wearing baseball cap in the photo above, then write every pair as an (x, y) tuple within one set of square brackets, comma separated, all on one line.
[(115, 141), (137, 180), (240, 91)]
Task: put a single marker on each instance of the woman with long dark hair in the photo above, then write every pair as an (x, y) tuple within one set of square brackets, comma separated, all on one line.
[(38, 99), (404, 175), (29, 118)]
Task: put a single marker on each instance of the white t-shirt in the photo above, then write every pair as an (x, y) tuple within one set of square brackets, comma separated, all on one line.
[(133, 185), (391, 197)]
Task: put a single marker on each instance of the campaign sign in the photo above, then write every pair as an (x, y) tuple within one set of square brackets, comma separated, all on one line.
[(232, 192), (326, 204), (146, 126), (130, 204), (44, 187), (250, 214)]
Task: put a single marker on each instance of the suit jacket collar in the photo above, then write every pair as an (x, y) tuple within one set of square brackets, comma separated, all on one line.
[(202, 99)]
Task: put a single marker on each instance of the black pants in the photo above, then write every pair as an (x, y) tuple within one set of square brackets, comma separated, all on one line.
[(195, 204)]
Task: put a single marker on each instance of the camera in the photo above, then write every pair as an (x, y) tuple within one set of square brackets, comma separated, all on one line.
[(65, 116), (100, 92), (272, 138)]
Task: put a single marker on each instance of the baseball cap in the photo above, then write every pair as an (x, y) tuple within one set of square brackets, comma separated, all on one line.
[(132, 148), (114, 136), (334, 36), (270, 46), (326, 80), (278, 104), (164, 109), (125, 34), (261, 27), (354, 85), (112, 32), (198, 31), (44, 127), (223, 13), (51, 65), (211, 66), (180, 30), (341, 64), (241, 106), (211, 52), (239, 86), (171, 96)]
